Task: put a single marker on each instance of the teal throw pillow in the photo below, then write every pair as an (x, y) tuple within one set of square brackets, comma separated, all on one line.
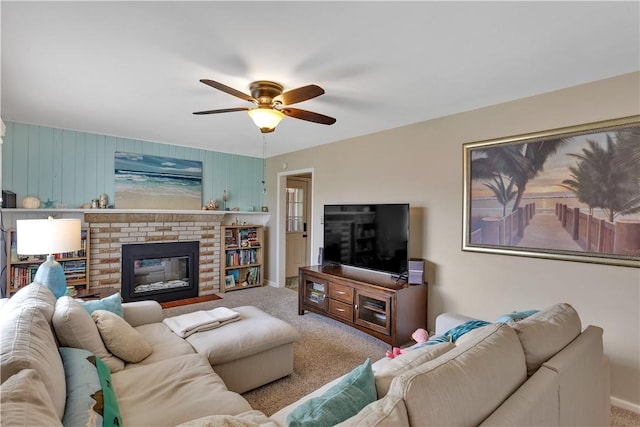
[(91, 400), (341, 402), (112, 303), (516, 316)]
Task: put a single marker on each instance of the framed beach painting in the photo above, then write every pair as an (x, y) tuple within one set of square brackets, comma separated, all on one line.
[(154, 182), (566, 194)]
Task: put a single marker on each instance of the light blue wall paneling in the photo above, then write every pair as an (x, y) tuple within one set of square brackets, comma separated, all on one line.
[(70, 168)]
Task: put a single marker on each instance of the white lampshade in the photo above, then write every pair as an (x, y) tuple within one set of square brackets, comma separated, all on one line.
[(266, 118), (48, 236)]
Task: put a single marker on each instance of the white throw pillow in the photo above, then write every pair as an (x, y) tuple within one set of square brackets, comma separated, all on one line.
[(385, 372), (120, 337), (75, 328)]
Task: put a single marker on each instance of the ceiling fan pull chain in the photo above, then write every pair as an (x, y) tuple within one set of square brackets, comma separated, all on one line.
[(264, 162)]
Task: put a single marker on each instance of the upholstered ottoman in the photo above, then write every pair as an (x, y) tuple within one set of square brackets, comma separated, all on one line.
[(250, 352)]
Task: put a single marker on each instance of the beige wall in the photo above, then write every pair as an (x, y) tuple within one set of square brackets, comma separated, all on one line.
[(422, 164)]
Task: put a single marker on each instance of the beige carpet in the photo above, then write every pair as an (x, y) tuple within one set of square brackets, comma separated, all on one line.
[(326, 350)]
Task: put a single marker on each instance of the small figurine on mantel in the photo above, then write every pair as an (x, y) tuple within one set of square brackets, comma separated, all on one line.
[(212, 205)]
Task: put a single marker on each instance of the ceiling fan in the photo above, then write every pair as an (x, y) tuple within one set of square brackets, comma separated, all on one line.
[(272, 104)]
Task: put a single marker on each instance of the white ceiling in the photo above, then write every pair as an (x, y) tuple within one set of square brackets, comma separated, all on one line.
[(132, 69)]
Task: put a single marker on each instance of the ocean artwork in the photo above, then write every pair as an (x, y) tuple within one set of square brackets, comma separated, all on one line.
[(570, 193), (154, 182)]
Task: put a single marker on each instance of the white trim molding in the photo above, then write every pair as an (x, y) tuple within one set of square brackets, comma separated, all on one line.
[(629, 406)]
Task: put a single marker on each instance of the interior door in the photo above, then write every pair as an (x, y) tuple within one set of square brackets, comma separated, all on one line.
[(297, 226)]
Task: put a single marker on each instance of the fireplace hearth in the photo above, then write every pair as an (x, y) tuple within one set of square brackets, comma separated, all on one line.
[(163, 272)]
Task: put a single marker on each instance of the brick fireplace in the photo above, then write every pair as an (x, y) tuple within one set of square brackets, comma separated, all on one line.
[(109, 231)]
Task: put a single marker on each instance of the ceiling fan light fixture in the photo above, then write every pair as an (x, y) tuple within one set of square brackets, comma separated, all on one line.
[(266, 118)]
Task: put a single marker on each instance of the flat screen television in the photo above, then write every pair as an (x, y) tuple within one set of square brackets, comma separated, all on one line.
[(371, 236)]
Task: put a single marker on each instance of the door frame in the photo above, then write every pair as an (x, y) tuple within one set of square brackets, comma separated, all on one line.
[(281, 222)]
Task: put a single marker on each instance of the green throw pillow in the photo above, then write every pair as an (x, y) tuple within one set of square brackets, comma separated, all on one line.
[(91, 400), (341, 402), (112, 303)]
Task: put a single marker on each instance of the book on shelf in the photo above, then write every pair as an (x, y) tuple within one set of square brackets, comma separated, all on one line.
[(244, 237), (22, 275), (252, 237), (241, 257), (230, 240)]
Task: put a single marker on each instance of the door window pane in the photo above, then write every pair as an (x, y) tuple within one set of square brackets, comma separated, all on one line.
[(295, 209)]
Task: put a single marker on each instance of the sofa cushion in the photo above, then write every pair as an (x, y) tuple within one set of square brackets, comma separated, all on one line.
[(173, 391), (466, 384), (112, 303), (251, 418), (75, 328), (545, 333), (385, 370), (91, 400), (388, 411), (24, 401), (120, 338), (27, 341), (232, 341), (163, 341), (342, 401), (33, 295)]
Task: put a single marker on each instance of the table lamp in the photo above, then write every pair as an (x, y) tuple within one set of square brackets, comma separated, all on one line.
[(47, 237)]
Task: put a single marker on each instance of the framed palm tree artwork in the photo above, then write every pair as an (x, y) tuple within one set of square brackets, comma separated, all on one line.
[(568, 194)]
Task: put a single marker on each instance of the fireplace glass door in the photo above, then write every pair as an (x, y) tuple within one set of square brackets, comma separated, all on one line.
[(151, 274)]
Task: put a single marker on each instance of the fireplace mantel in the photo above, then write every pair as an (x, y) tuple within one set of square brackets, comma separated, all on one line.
[(226, 217)]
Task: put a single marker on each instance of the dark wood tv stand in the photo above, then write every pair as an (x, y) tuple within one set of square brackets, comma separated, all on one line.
[(369, 301)]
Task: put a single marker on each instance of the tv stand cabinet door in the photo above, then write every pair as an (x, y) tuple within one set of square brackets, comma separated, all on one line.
[(373, 311), (312, 293)]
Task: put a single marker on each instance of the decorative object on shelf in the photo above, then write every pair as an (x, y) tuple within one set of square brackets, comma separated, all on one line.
[(95, 203), (104, 201), (566, 194), (225, 197), (264, 209), (271, 103), (229, 281), (212, 205), (49, 236), (31, 202), (49, 204), (8, 199)]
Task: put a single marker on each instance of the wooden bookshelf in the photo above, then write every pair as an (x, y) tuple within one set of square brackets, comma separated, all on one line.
[(22, 268), (241, 262)]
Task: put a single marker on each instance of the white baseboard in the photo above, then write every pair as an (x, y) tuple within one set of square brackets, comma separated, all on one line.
[(633, 407), (272, 284)]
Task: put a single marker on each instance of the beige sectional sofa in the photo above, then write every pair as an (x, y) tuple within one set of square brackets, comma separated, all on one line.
[(543, 370), (172, 385), (540, 371)]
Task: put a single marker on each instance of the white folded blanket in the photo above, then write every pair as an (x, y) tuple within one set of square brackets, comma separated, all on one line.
[(198, 321)]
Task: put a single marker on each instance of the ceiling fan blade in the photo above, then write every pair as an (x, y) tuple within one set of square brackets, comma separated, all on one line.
[(224, 110), (229, 90), (308, 116), (300, 94)]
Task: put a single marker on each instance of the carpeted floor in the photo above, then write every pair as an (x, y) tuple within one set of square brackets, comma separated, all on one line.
[(327, 349)]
